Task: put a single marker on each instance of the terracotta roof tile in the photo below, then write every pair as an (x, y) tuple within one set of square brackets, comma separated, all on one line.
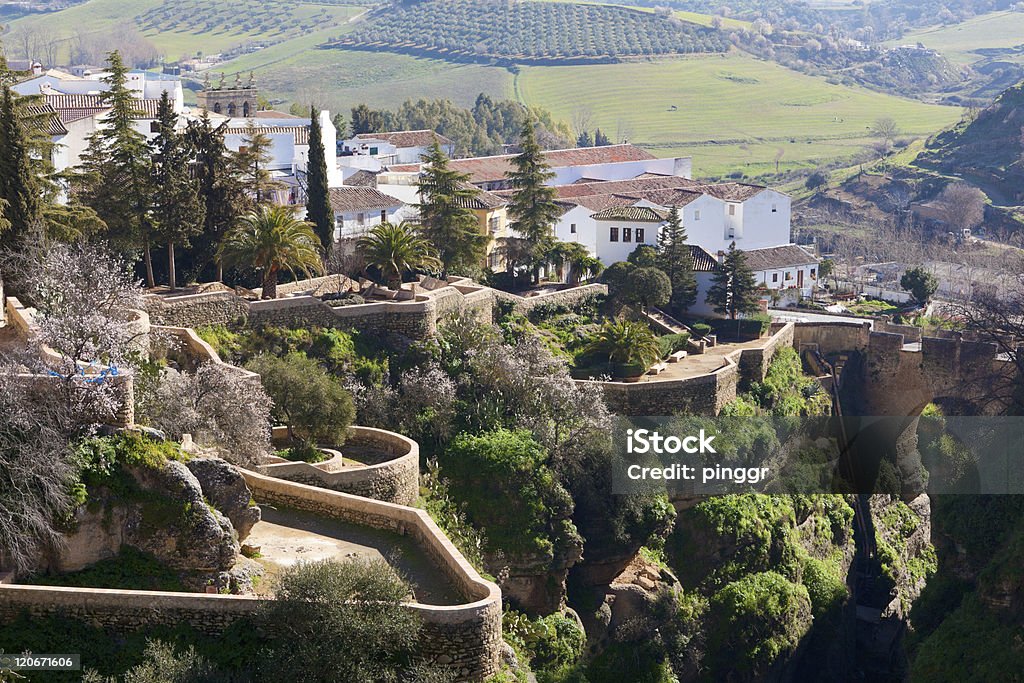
[(703, 260), (61, 101), (47, 118), (344, 199), (362, 178), (300, 133), (631, 213), (733, 192), (785, 256), (491, 169), (407, 138)]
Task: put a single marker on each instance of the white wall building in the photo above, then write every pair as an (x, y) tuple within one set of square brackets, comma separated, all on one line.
[(620, 230), (386, 149), (787, 266), (358, 209)]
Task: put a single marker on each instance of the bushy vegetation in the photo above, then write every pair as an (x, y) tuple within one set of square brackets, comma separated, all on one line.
[(527, 31), (131, 569), (551, 644), (269, 20)]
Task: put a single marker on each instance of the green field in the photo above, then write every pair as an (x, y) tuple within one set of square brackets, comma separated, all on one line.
[(731, 112), (996, 30)]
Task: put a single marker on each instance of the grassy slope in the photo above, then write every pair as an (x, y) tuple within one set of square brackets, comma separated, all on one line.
[(958, 42), (754, 109)]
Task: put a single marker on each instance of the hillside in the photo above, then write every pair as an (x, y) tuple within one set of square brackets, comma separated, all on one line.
[(986, 150), (529, 32)]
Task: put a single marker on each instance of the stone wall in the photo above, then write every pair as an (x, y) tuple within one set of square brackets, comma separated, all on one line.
[(754, 362), (466, 637), (395, 480), (196, 310), (566, 297), (832, 337)]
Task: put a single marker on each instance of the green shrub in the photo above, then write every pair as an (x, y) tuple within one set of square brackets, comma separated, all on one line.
[(670, 343), (551, 642), (826, 590), (701, 329), (130, 569), (304, 452)]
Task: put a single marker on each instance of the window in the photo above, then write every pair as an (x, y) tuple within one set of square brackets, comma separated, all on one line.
[(245, 110), (384, 216), (732, 209), (493, 224), (627, 234), (775, 277), (775, 208), (373, 151), (613, 234), (696, 215), (789, 275), (231, 109), (814, 273), (154, 126), (572, 228), (361, 218), (216, 107), (639, 234)]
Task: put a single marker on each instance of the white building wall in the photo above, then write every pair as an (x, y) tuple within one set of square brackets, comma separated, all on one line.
[(623, 170), (282, 147), (701, 306), (586, 228), (610, 252), (765, 221), (348, 226), (788, 278)]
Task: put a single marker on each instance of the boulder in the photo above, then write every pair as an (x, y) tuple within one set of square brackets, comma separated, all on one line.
[(227, 491)]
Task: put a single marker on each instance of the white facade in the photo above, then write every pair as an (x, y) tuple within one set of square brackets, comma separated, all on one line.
[(622, 170), (616, 239), (355, 224), (578, 225), (760, 221)]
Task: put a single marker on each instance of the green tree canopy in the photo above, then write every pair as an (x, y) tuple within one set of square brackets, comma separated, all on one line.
[(675, 259), (271, 240), (532, 207), (734, 290), (396, 250), (309, 401), (318, 203), (921, 284), (648, 287), (448, 222)]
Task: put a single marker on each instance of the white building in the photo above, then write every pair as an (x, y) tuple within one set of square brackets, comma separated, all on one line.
[(373, 151), (620, 230), (357, 209), (787, 266)]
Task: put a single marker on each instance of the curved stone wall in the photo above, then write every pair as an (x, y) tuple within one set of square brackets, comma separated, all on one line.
[(395, 480)]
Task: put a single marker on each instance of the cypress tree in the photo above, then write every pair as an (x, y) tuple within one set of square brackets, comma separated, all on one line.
[(114, 177), (448, 223), (318, 202), (676, 260), (600, 139), (19, 190), (178, 211), (584, 139), (532, 208), (734, 289)]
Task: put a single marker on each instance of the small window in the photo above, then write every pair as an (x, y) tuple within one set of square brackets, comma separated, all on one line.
[(154, 126), (360, 218), (732, 209), (814, 272), (384, 216), (613, 234), (373, 151), (244, 149), (789, 275), (572, 228), (639, 234), (775, 208), (627, 234), (775, 277), (696, 215)]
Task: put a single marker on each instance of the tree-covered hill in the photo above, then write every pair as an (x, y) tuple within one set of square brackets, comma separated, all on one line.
[(986, 150), (530, 31)]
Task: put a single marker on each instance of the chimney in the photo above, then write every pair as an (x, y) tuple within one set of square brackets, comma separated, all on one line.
[(37, 69), (721, 256)]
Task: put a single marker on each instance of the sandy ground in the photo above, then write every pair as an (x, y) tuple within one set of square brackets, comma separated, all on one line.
[(285, 537)]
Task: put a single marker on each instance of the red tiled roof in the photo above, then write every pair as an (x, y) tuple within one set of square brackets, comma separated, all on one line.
[(677, 196), (490, 169), (733, 192), (407, 138), (640, 183), (347, 198), (482, 200), (362, 178), (61, 101), (786, 256), (644, 214), (47, 118), (703, 261), (300, 133)]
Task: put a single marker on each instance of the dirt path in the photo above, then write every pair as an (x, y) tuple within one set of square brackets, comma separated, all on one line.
[(285, 537)]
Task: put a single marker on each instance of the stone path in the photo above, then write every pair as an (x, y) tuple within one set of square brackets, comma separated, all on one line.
[(712, 359), (285, 537)]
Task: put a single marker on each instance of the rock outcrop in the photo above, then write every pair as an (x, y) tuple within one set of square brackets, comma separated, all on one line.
[(226, 490)]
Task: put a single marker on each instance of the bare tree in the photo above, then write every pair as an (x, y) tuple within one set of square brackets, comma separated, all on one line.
[(962, 206), (219, 406), (582, 120), (885, 128)]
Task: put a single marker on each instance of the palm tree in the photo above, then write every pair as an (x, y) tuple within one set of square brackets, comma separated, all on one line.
[(626, 342), (395, 249), (272, 239)]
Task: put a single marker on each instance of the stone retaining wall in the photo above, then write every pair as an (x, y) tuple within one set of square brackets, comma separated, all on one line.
[(466, 637), (704, 394), (396, 480)]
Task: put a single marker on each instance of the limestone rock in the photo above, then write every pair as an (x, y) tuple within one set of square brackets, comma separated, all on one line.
[(225, 488)]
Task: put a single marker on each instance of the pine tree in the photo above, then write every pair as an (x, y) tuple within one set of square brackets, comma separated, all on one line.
[(734, 290), (253, 158), (318, 202), (178, 211), (676, 260), (532, 208), (448, 223), (19, 190), (584, 139), (114, 176), (600, 139), (220, 189)]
